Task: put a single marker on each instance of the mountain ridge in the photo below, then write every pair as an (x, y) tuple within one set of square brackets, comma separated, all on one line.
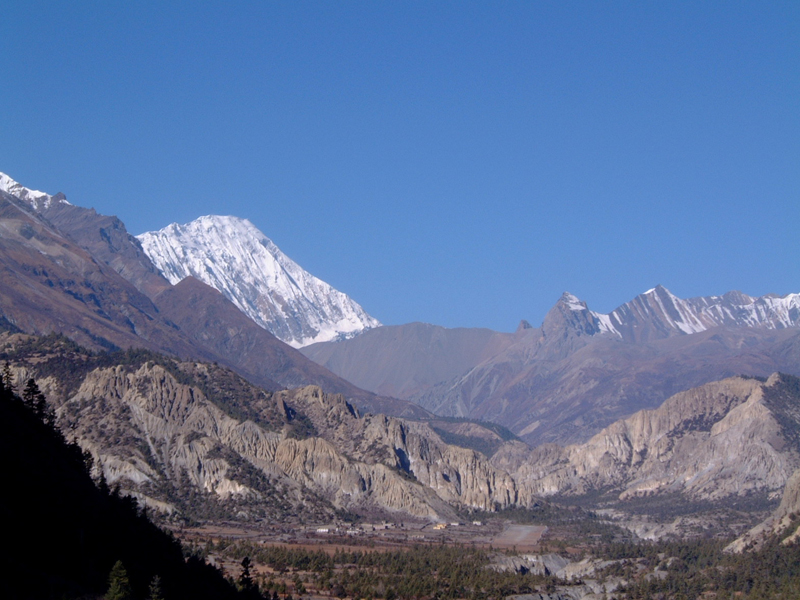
[(82, 281), (175, 432), (725, 438)]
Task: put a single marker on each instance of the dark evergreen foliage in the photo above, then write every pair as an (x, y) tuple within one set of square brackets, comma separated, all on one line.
[(65, 533), (119, 586)]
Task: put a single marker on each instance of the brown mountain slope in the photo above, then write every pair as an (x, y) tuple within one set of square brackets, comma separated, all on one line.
[(217, 324), (100, 262), (108, 241), (49, 284)]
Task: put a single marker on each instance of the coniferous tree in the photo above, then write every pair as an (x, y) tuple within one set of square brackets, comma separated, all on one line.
[(119, 586), (155, 592), (34, 399), (246, 578), (8, 378), (30, 393)]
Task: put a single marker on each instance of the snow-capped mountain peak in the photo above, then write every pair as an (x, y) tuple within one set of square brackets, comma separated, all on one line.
[(231, 255), (38, 200), (659, 313)]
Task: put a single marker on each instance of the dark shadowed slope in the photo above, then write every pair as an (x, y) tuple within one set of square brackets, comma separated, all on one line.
[(66, 533), (215, 322), (48, 283)]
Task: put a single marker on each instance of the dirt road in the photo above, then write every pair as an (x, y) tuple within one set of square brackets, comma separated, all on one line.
[(521, 536)]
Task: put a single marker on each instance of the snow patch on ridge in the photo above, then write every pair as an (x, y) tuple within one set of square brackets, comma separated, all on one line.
[(604, 324)]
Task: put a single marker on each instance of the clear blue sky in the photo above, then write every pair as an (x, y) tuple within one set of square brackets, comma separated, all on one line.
[(458, 163)]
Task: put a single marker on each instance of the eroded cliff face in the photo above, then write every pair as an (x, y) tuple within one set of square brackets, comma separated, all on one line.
[(180, 436), (456, 475), (722, 439)]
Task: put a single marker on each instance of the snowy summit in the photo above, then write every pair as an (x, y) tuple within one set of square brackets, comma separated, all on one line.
[(231, 255), (38, 200), (669, 315)]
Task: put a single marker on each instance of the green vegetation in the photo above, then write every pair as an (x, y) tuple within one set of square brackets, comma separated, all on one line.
[(700, 568), (119, 586), (436, 571)]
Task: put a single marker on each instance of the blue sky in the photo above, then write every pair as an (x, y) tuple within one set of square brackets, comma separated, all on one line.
[(458, 163)]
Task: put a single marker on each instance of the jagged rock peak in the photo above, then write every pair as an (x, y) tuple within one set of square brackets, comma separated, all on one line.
[(572, 302), (314, 395), (572, 315), (38, 200), (523, 325), (231, 255), (665, 313)]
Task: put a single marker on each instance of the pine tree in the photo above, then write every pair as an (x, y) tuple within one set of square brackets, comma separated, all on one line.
[(8, 378), (119, 586), (30, 393), (246, 578), (155, 592)]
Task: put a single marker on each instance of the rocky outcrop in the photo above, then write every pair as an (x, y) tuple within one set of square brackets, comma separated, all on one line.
[(723, 439), (162, 430)]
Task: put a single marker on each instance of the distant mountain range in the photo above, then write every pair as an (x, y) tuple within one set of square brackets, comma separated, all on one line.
[(215, 289), (581, 370), (658, 314)]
